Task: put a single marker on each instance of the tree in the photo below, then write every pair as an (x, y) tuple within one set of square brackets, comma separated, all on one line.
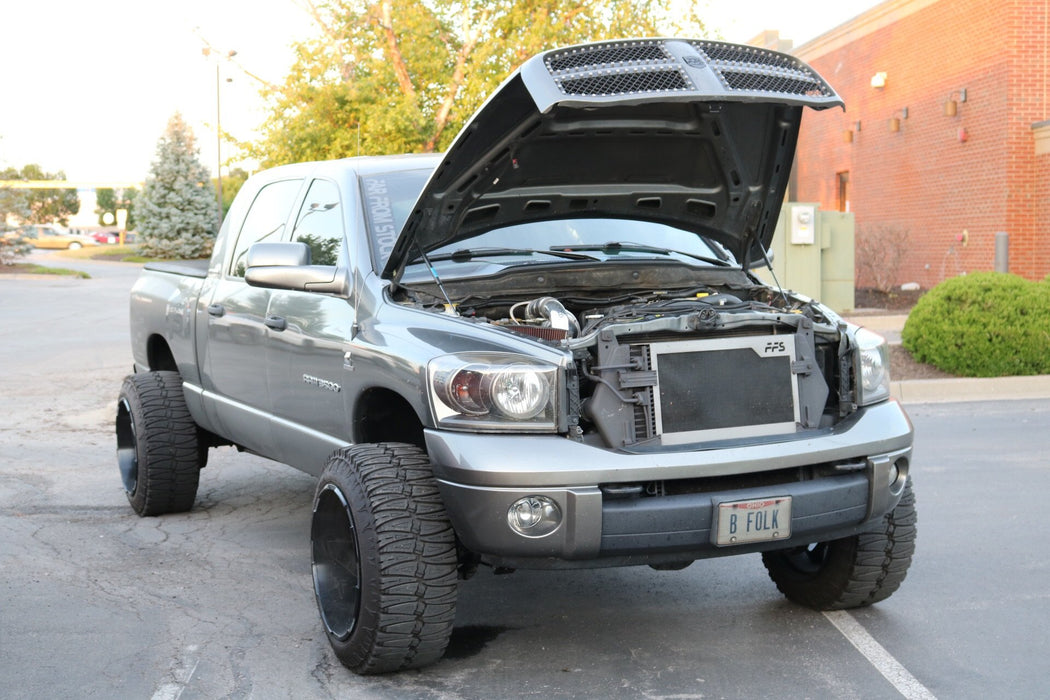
[(109, 200), (13, 204), (43, 206), (231, 185), (176, 210), (399, 76)]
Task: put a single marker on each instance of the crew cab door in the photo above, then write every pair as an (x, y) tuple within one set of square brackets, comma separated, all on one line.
[(234, 361), (307, 339)]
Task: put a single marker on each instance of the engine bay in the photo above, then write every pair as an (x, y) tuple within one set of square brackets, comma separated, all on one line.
[(686, 361)]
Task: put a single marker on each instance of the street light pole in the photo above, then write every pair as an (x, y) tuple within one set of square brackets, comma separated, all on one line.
[(218, 125), (218, 145)]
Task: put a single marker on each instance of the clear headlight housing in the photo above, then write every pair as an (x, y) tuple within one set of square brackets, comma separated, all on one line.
[(494, 391), (873, 368)]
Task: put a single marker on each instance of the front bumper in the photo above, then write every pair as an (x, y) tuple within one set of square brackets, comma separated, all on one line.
[(481, 475)]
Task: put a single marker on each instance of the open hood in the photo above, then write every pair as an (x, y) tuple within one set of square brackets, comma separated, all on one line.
[(696, 134)]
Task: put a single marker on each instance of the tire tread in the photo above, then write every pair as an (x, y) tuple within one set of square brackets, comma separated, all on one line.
[(415, 600), (167, 441), (860, 570)]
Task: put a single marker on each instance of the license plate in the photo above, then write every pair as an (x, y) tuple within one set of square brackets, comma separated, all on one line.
[(758, 520)]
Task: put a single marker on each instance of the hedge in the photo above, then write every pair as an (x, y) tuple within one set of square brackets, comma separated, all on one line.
[(986, 324)]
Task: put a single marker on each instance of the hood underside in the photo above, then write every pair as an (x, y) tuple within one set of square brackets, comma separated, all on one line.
[(695, 134)]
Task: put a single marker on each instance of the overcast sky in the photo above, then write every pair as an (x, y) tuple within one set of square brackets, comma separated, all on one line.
[(87, 87)]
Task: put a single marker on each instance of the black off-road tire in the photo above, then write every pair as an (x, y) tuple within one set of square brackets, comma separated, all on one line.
[(383, 558), (159, 450), (851, 572)]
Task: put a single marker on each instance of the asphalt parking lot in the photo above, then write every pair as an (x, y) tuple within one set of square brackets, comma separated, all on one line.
[(96, 602)]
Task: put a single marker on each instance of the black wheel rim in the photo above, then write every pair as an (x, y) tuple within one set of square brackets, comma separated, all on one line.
[(336, 565), (127, 448), (808, 559)]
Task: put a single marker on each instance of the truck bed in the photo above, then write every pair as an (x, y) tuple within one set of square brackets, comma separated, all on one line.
[(186, 268)]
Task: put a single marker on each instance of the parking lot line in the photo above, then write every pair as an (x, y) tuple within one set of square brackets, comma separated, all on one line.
[(876, 654), (182, 671)]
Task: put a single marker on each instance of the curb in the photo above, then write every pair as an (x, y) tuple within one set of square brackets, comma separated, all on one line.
[(971, 389)]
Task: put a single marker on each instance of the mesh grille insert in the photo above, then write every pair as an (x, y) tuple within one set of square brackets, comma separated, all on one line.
[(754, 55), (771, 83), (615, 83), (753, 69), (604, 55)]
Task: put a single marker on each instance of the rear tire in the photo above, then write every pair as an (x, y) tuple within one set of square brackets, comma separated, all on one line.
[(383, 559), (851, 572), (158, 447)]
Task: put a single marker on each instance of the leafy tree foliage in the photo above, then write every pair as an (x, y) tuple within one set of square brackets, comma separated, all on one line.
[(41, 206), (109, 200), (231, 185), (176, 211), (399, 76)]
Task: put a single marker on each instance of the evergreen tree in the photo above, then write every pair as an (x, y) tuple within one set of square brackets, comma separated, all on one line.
[(176, 210)]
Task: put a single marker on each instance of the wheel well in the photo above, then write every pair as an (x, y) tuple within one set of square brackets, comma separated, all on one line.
[(383, 416), (159, 355)]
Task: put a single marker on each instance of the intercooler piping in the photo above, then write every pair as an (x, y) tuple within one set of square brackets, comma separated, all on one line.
[(552, 310)]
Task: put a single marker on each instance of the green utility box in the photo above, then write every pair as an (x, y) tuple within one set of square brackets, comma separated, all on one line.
[(813, 254)]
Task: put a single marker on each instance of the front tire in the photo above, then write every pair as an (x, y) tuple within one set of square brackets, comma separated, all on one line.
[(383, 559), (158, 447), (850, 572)]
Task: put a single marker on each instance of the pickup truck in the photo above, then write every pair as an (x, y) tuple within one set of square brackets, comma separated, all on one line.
[(545, 348)]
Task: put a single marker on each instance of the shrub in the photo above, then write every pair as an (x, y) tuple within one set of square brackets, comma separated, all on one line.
[(880, 252), (988, 324)]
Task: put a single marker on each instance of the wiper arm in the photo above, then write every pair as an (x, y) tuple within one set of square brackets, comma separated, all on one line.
[(614, 247), (465, 254)]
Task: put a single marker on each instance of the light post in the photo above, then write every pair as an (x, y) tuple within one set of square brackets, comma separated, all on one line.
[(207, 51)]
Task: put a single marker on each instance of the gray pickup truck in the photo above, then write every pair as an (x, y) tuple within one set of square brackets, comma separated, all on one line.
[(545, 348)]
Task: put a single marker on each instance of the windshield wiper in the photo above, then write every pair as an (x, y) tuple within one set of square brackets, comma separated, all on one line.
[(465, 254), (614, 247)]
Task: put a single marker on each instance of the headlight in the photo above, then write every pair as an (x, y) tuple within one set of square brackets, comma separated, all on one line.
[(494, 391), (873, 367)]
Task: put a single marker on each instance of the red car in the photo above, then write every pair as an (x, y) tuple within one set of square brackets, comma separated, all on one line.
[(111, 236)]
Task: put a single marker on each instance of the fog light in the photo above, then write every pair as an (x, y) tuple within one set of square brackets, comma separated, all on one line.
[(534, 516), (895, 473)]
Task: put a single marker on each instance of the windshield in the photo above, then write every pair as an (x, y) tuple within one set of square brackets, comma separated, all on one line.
[(388, 201), (389, 198), (604, 239)]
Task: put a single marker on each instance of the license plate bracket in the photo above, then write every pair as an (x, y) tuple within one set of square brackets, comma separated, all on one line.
[(752, 520)]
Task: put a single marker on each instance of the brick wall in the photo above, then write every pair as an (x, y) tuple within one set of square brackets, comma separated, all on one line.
[(939, 175)]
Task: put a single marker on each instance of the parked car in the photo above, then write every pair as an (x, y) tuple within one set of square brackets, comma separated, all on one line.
[(45, 236), (543, 349), (111, 236)]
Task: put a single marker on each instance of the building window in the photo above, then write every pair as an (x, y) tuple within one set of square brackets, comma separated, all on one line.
[(843, 191)]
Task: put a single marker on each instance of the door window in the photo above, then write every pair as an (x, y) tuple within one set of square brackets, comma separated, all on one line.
[(265, 220), (320, 223)]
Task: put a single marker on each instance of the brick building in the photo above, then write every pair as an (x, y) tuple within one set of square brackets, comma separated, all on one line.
[(945, 138)]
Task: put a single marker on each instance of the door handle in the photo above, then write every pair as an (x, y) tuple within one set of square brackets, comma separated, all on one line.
[(277, 323), (216, 310)]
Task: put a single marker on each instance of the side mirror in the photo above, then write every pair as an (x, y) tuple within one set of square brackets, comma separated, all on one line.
[(287, 266)]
